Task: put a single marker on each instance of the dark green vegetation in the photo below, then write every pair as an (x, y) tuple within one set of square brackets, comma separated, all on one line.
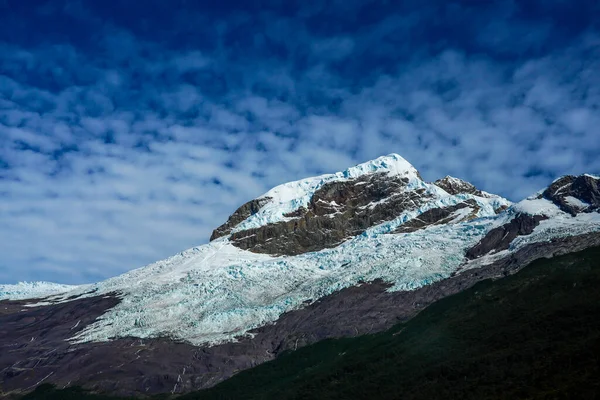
[(533, 335)]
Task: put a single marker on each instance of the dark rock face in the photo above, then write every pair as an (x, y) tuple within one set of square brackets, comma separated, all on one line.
[(500, 238), (34, 350), (248, 209), (32, 340), (141, 367), (501, 209), (456, 186), (437, 216), (336, 212), (584, 188)]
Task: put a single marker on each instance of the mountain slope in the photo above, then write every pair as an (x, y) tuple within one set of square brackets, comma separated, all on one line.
[(216, 292), (535, 335), (343, 254)]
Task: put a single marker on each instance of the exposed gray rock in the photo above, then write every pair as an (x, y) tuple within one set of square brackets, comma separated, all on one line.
[(438, 216), (457, 186), (501, 209), (584, 188), (246, 210), (500, 238), (336, 212)]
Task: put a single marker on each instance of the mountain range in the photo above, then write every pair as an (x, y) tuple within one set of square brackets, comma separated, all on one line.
[(339, 255)]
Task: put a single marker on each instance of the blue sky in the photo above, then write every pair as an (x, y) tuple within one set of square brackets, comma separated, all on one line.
[(129, 130)]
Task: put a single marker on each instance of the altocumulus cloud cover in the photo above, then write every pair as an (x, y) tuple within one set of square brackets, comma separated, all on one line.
[(129, 130)]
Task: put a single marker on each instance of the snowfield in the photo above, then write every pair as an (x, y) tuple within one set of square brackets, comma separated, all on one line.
[(216, 292)]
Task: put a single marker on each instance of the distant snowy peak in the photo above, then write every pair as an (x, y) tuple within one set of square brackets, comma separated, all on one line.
[(575, 194), (569, 201), (568, 194)]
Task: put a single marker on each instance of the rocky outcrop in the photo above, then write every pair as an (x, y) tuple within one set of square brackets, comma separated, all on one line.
[(439, 216), (457, 186), (246, 210), (501, 209), (337, 211), (575, 194), (499, 239)]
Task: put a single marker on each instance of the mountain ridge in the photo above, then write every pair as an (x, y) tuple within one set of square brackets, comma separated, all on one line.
[(336, 255)]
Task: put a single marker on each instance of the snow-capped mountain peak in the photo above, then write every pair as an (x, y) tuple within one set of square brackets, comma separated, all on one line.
[(274, 205), (307, 239), (322, 212)]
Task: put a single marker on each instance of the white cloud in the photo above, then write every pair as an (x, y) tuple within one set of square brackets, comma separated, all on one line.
[(119, 160)]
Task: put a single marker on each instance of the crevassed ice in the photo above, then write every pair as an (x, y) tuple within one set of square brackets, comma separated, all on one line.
[(218, 292), (215, 292), (28, 290)]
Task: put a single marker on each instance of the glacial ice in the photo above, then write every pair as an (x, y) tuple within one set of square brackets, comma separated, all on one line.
[(217, 292), (29, 290)]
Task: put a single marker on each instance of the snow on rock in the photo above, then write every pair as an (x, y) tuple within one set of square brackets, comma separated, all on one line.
[(217, 292), (575, 202), (537, 206), (290, 196)]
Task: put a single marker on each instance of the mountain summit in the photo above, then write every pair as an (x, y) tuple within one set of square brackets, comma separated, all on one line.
[(290, 199), (341, 254), (325, 211)]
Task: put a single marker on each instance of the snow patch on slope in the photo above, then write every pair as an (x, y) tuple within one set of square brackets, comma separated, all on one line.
[(575, 202), (559, 225), (537, 206)]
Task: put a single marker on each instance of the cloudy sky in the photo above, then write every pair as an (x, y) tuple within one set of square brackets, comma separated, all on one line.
[(130, 129)]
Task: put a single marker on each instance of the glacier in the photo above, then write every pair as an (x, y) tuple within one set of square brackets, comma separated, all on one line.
[(216, 292), (28, 290)]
